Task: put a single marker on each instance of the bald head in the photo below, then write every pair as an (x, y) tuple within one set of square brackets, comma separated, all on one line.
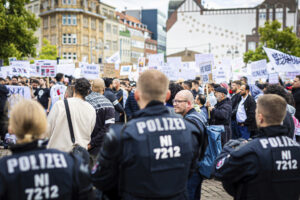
[(183, 102), (98, 85)]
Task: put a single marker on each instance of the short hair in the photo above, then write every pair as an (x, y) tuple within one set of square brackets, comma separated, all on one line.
[(59, 77), (98, 85), (15, 77), (198, 78), (35, 81), (153, 85), (244, 77), (201, 98), (247, 87), (188, 83), (272, 107), (70, 90), (238, 82), (174, 89), (195, 82), (298, 77), (108, 82), (276, 89), (28, 120), (82, 87)]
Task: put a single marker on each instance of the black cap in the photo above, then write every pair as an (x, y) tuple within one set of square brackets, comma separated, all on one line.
[(222, 90)]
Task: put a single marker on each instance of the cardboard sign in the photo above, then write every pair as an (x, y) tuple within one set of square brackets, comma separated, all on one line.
[(20, 68), (57, 92), (273, 78), (47, 68), (115, 58), (67, 69), (156, 59), (125, 70), (204, 62), (89, 71)]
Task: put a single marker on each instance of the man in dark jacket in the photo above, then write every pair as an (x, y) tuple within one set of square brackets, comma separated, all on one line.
[(156, 150), (245, 115), (109, 94), (266, 167), (235, 88), (288, 120), (221, 113), (105, 115), (296, 94)]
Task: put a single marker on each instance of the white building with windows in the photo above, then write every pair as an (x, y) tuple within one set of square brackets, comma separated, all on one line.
[(224, 32)]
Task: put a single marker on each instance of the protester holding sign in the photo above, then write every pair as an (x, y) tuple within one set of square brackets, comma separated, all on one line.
[(57, 91)]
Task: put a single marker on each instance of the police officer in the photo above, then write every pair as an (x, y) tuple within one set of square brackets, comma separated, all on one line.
[(34, 172), (152, 155), (266, 167)]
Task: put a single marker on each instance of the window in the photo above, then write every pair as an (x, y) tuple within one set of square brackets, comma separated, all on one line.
[(252, 46), (108, 28), (53, 20), (115, 29), (104, 11), (29, 8), (115, 45), (74, 56), (111, 13), (85, 22), (100, 26), (65, 55), (74, 20), (69, 55), (69, 19), (69, 2), (93, 23), (46, 22), (36, 8), (53, 39), (108, 43), (64, 20), (69, 38)]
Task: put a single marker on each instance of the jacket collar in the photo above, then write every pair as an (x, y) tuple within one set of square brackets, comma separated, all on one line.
[(222, 102), (272, 131), (191, 111), (35, 145), (153, 108)]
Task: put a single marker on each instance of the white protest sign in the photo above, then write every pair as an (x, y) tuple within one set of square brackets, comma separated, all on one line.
[(259, 69), (16, 94), (20, 68), (220, 75), (46, 68), (65, 61), (125, 70), (89, 71), (205, 63), (11, 59), (188, 71), (67, 69), (273, 78), (169, 71), (205, 78), (175, 63), (115, 58), (291, 75), (156, 59), (57, 92), (283, 62), (237, 65)]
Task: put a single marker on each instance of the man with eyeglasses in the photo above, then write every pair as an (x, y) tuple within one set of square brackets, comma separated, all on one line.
[(184, 105)]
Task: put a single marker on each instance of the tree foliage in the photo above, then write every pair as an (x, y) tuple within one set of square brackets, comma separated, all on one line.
[(48, 51), (17, 27), (272, 37)]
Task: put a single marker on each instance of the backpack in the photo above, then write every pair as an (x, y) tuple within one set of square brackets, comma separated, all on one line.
[(213, 149)]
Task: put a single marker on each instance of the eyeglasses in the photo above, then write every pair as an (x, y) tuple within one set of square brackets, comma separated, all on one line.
[(178, 101)]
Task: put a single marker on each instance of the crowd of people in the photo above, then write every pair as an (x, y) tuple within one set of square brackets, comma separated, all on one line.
[(145, 140)]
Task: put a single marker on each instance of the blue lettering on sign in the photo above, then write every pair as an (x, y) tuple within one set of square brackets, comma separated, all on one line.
[(13, 91), (282, 59)]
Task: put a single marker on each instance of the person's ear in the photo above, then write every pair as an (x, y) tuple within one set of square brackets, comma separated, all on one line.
[(137, 95), (168, 96)]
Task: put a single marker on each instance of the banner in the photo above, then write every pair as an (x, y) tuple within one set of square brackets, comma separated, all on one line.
[(273, 78), (5, 71), (156, 59), (283, 62), (259, 69), (125, 70), (20, 68), (187, 71), (16, 94), (46, 68), (204, 62), (89, 71), (115, 58), (291, 75)]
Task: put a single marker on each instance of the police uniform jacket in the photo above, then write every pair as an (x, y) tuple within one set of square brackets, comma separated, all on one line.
[(34, 172), (265, 168), (149, 158)]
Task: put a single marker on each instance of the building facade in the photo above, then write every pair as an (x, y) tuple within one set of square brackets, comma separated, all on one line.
[(150, 47), (125, 43), (75, 27), (223, 32), (156, 23), (138, 33), (111, 30), (34, 7)]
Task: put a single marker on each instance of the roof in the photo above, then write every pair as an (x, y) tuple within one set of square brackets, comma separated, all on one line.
[(184, 52), (131, 19), (151, 41)]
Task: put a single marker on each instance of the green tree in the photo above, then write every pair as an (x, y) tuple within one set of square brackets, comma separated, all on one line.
[(48, 51), (17, 27), (270, 36)]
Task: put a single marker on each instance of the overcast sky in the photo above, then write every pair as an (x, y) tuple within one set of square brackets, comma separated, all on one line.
[(163, 4)]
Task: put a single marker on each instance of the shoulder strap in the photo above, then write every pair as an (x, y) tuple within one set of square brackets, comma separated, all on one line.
[(69, 120)]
